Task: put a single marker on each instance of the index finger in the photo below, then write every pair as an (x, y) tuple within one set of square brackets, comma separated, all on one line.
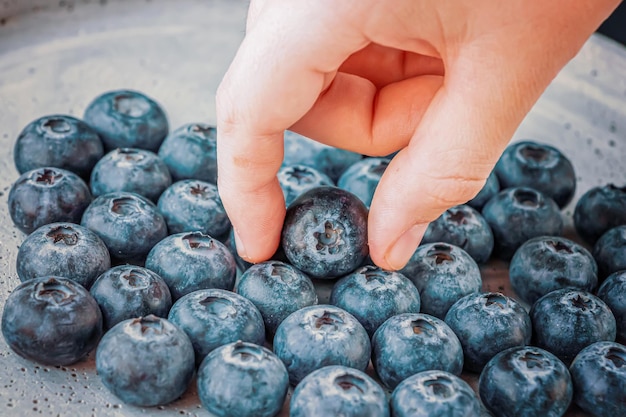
[(261, 95)]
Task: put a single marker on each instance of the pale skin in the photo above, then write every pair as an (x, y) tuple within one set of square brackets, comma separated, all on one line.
[(445, 82)]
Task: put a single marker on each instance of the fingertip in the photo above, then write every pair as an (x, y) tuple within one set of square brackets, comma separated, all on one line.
[(395, 256)]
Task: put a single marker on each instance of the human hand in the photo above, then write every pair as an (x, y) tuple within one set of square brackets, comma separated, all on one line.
[(446, 82)]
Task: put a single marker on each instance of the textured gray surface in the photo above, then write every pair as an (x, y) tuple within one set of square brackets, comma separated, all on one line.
[(58, 56)]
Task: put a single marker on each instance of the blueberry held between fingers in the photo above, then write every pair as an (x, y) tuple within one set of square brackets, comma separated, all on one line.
[(213, 318), (58, 141), (539, 166), (549, 263), (610, 251), (525, 381), (442, 273), (599, 210), (321, 335), (190, 152), (613, 293), (63, 249), (599, 377), (128, 291), (192, 261), (194, 205), (414, 342), (434, 394), (242, 380), (373, 295), (486, 324), (277, 289), (325, 232), (518, 214), (129, 169), (127, 119), (362, 178), (464, 227), (47, 195), (129, 224), (337, 390), (51, 320), (297, 179), (567, 320), (145, 361)]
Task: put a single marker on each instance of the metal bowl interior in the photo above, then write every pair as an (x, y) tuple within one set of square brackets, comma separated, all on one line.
[(55, 56)]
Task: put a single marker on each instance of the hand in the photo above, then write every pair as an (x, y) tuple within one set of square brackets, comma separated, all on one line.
[(446, 82)]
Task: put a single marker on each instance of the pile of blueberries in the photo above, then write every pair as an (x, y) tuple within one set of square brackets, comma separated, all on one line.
[(129, 252)]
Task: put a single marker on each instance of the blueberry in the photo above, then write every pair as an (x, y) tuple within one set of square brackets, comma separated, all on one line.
[(194, 205), (337, 390), (549, 263), (47, 195), (599, 377), (63, 249), (363, 177), (51, 320), (567, 320), (129, 224), (325, 232), (434, 394), (296, 179), (518, 214), (58, 141), (277, 289), (610, 251), (133, 170), (409, 343), (490, 189), (539, 166), (486, 324), (145, 361), (613, 293), (327, 159), (213, 318), (127, 291), (127, 119), (525, 381), (192, 261), (598, 210), (242, 379), (321, 335), (190, 152), (464, 227), (442, 273), (372, 295)]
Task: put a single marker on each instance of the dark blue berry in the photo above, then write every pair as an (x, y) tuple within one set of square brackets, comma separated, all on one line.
[(373, 295), (362, 178), (294, 180), (127, 119), (58, 141), (145, 361), (491, 188), (190, 152), (128, 169), (539, 166), (242, 380), (127, 291), (192, 261), (47, 195), (613, 293), (325, 232), (277, 289), (610, 252), (51, 320), (598, 210), (63, 249)]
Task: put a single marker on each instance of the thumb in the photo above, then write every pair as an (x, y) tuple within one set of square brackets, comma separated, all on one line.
[(454, 148)]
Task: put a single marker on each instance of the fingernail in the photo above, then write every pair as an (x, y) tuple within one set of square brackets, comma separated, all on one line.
[(241, 249), (401, 251)]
